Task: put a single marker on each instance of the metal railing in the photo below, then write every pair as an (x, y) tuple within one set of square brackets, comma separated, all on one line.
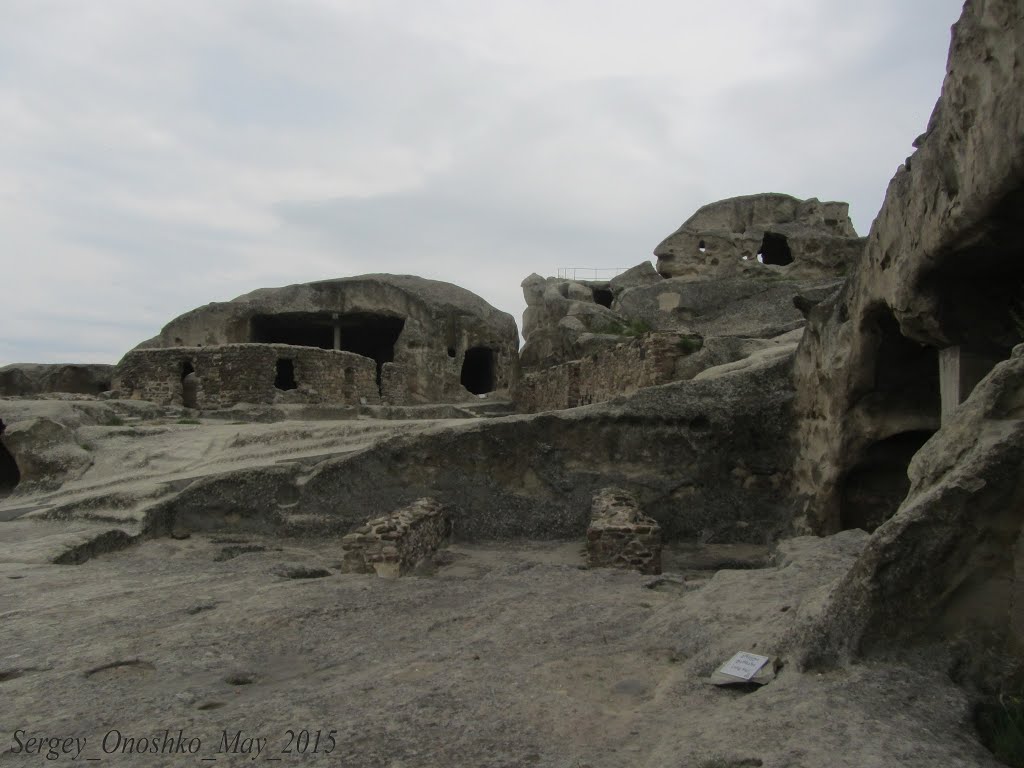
[(589, 273)]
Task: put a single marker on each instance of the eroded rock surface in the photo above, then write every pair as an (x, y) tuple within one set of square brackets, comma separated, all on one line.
[(749, 233), (27, 379), (891, 440)]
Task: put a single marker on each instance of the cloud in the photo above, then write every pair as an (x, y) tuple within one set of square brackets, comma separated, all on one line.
[(159, 156)]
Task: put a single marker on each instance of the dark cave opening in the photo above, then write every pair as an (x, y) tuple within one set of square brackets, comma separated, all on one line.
[(774, 250), (603, 296), (875, 487), (189, 385), (372, 336), (363, 333), (478, 370), (10, 476), (299, 329), (902, 402), (284, 374)]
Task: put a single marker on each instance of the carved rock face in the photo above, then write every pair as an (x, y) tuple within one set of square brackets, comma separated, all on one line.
[(750, 233), (906, 418)]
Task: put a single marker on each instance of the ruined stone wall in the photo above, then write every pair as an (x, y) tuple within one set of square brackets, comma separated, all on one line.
[(620, 535), (607, 373), (393, 544), (246, 373)]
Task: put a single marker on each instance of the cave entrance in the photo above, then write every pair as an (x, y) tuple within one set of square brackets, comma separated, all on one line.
[(901, 404), (189, 385), (372, 336), (774, 250), (298, 329), (284, 374), (363, 333), (10, 476), (603, 296), (478, 370), (874, 489)]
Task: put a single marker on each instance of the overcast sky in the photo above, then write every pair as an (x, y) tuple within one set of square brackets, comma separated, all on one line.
[(156, 156)]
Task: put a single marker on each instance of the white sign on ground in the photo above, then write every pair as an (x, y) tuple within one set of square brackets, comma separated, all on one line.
[(744, 665)]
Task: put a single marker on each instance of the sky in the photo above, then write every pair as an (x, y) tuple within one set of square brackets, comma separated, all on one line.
[(158, 156)]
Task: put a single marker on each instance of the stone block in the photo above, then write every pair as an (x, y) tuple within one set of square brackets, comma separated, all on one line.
[(620, 535), (398, 541)]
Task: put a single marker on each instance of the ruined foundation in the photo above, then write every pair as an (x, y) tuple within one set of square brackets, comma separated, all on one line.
[(392, 545), (620, 535)]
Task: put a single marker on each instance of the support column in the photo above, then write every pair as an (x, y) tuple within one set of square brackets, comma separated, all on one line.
[(337, 333)]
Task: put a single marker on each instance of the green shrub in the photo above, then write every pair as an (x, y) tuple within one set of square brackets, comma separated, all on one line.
[(690, 344), (630, 328), (1000, 723), (1017, 315)]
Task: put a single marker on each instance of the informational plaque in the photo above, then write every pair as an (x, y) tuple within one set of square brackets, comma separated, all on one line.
[(744, 665)]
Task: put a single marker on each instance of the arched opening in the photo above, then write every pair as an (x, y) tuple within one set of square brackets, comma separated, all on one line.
[(10, 476), (189, 385), (702, 246), (284, 378), (603, 296), (900, 404), (873, 490), (478, 370), (774, 250)]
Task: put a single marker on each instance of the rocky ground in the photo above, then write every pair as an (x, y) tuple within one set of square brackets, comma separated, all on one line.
[(503, 654)]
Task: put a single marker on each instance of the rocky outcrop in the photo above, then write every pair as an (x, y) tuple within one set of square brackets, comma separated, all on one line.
[(941, 273), (431, 342), (951, 561), (620, 535), (887, 437), (758, 232), (45, 452), (27, 379)]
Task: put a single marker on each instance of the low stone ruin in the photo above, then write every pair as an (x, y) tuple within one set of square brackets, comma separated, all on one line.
[(392, 545), (224, 375), (620, 535)]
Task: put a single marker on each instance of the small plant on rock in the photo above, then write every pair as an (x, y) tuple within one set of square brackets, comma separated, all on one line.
[(1000, 724)]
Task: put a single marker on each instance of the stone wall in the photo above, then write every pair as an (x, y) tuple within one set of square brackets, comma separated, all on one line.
[(392, 545), (640, 362), (620, 535), (246, 373)]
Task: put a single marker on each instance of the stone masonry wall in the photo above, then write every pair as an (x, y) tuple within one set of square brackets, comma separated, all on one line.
[(620, 535), (392, 545), (246, 373), (641, 362)]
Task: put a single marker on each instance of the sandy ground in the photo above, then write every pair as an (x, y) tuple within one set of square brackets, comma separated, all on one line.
[(509, 654)]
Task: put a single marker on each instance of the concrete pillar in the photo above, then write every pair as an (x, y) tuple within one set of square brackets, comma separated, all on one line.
[(960, 370), (337, 333)]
